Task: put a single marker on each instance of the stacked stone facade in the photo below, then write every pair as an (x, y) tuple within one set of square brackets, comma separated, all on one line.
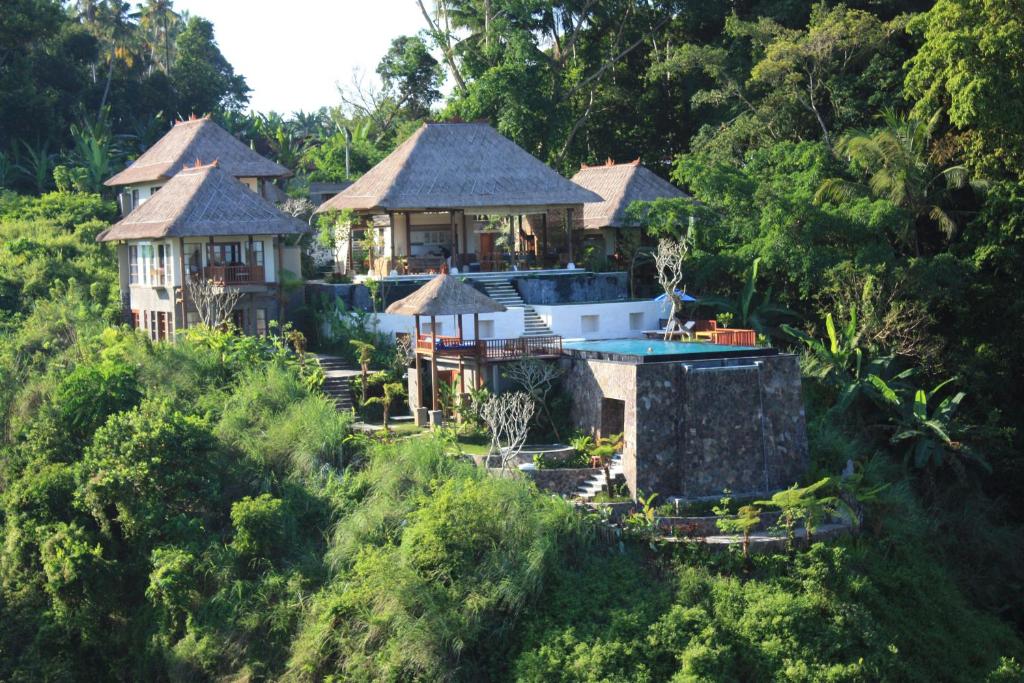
[(692, 429)]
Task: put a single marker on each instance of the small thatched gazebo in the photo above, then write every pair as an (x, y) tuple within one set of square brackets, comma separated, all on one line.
[(444, 295)]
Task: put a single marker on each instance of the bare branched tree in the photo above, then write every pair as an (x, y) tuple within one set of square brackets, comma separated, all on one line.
[(537, 378), (508, 417), (213, 302), (668, 260)]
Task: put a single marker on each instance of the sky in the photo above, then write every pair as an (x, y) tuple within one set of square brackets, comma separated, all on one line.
[(293, 53)]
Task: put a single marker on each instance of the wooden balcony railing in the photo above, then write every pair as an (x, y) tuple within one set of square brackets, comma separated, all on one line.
[(231, 275), (490, 349)]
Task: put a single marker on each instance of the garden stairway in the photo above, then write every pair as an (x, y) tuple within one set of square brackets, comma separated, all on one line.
[(593, 486), (503, 292), (338, 373)]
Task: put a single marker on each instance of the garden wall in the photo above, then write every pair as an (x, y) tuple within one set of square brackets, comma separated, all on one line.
[(693, 429)]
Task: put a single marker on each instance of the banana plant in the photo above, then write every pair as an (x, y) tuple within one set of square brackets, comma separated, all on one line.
[(924, 428), (37, 165), (839, 360), (749, 310)]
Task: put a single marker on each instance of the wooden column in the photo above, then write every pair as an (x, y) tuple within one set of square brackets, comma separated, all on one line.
[(416, 355), (568, 231), (279, 276), (544, 229), (408, 240), (480, 357), (512, 240), (391, 227), (465, 233), (183, 283), (433, 364)]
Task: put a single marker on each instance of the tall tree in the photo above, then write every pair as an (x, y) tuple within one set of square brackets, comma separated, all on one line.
[(204, 79), (971, 67)]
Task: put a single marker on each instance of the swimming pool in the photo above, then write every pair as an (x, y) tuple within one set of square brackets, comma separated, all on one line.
[(657, 350)]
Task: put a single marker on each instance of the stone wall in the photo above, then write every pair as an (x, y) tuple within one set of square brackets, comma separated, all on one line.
[(694, 429), (561, 480), (573, 289)]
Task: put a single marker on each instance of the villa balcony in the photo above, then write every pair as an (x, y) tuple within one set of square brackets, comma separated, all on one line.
[(231, 275), (490, 349)]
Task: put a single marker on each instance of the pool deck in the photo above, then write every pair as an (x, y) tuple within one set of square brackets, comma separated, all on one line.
[(657, 351)]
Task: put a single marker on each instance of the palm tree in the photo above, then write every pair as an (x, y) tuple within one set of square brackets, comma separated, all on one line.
[(118, 31), (161, 24), (895, 160)]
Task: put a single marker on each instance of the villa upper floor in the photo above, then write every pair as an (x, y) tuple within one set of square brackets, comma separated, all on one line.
[(187, 142), (253, 260)]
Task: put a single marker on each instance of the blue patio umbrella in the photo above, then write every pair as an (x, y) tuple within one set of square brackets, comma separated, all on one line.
[(683, 295)]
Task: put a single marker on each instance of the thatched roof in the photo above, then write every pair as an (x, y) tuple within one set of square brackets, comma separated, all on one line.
[(196, 139), (207, 201), (455, 166), (620, 185), (445, 295)]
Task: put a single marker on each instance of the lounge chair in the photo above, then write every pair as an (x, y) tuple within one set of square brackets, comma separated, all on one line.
[(676, 331)]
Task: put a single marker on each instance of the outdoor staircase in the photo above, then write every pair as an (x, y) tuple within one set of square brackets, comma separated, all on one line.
[(336, 383), (593, 486), (502, 291)]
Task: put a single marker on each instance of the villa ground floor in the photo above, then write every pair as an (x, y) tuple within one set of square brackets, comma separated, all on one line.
[(163, 311)]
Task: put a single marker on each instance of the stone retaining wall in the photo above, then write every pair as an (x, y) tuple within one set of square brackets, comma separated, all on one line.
[(563, 481), (693, 429)]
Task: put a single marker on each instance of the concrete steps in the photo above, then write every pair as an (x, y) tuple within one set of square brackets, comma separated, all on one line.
[(503, 292), (338, 374), (593, 486)]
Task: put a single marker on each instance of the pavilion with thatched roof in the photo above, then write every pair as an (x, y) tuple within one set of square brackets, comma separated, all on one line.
[(446, 295), (619, 186), (444, 188), (184, 144)]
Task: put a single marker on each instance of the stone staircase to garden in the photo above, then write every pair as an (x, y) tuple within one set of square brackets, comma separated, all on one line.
[(503, 292), (593, 486), (338, 374)]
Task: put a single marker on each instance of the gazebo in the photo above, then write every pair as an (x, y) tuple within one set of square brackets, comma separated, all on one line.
[(441, 191), (446, 295)]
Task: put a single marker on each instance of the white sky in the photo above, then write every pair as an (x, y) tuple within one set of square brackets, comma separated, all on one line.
[(294, 52)]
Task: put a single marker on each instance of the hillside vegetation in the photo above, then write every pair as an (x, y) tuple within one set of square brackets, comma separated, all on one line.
[(199, 511)]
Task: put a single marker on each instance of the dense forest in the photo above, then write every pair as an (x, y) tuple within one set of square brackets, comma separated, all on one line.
[(197, 510)]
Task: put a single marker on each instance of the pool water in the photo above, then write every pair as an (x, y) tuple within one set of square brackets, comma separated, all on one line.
[(654, 347)]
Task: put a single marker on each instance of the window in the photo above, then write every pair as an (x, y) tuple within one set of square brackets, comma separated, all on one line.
[(226, 253), (160, 273), (426, 328), (636, 321), (257, 253), (486, 330), (154, 326), (238, 319), (589, 323), (135, 198), (192, 318), (261, 321), (133, 265), (135, 319)]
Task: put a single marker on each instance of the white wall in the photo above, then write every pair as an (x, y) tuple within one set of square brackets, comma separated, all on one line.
[(603, 320), (507, 325)]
